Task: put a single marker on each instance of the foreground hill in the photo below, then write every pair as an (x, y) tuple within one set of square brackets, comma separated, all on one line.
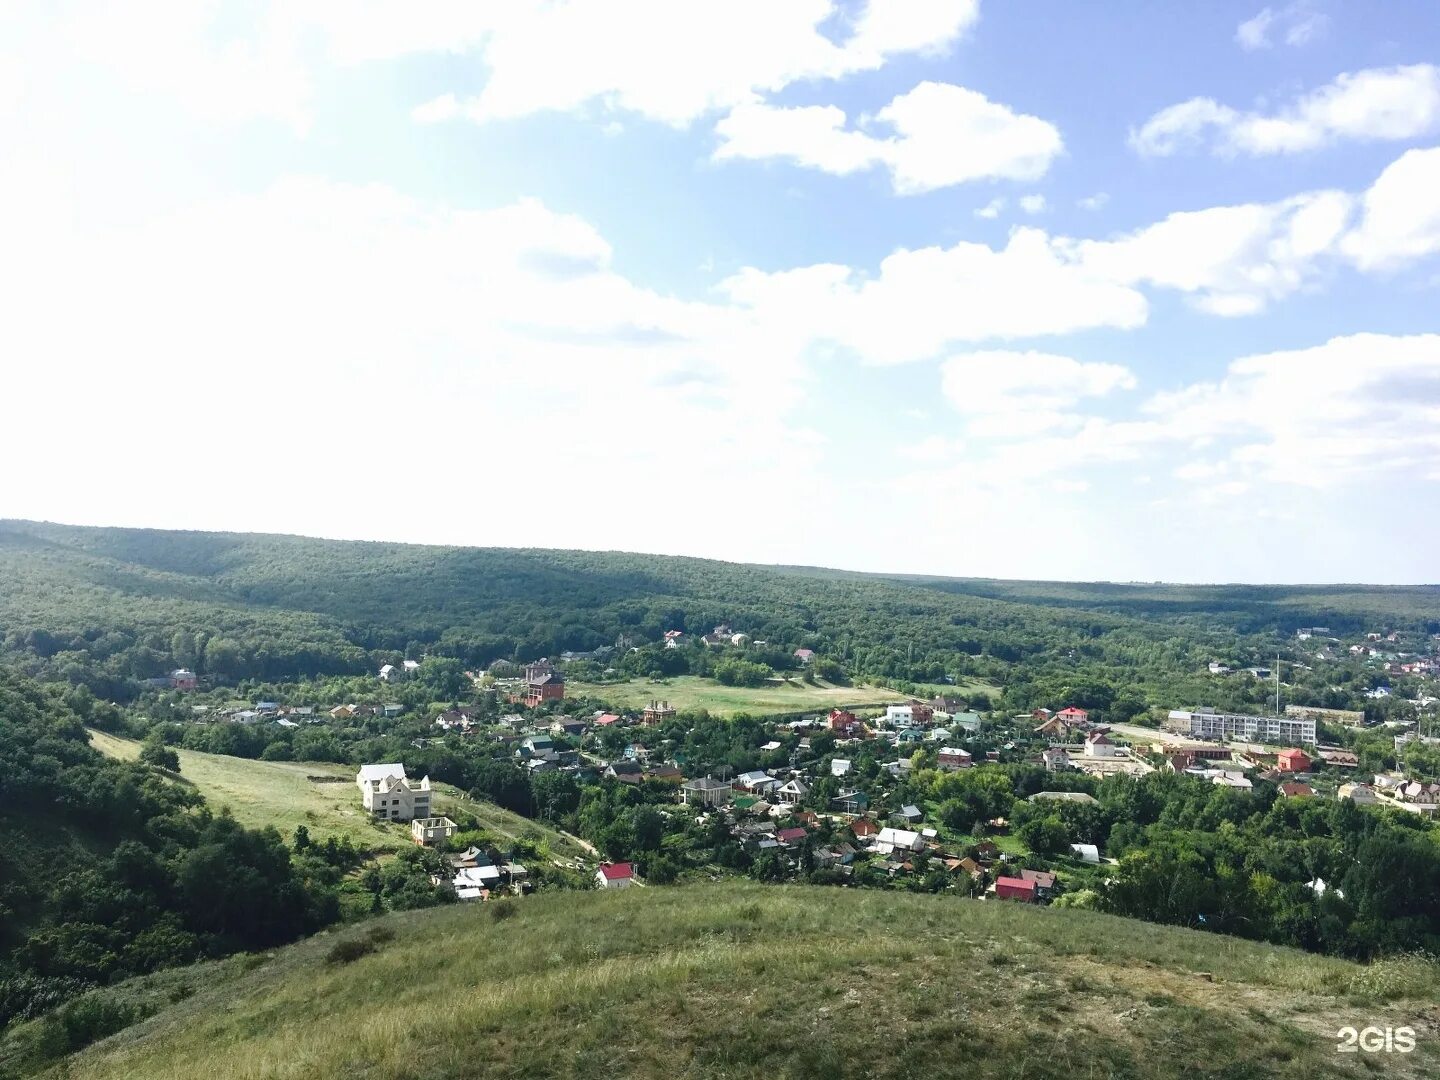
[(749, 981)]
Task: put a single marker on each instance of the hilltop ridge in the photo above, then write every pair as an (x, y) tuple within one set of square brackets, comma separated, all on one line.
[(742, 980)]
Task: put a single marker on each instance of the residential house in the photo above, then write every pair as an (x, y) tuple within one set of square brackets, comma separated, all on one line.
[(567, 726), (791, 837), (184, 679), (757, 782), (1044, 882), (1098, 744), (543, 686), (1072, 715), (805, 656), (952, 757), (658, 712), (614, 876), (863, 827), (793, 791), (536, 746), (388, 672), (839, 766), (342, 712), (705, 791), (475, 882), (851, 802), (1011, 888), (898, 839), (664, 774), (910, 814), (605, 720), (844, 723), (626, 770), (1292, 791), (1360, 794), (1055, 759), (1293, 761), (431, 830), (389, 795)]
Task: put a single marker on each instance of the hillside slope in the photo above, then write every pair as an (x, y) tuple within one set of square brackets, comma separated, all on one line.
[(742, 980)]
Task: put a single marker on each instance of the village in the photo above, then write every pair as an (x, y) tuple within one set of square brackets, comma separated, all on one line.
[(809, 807)]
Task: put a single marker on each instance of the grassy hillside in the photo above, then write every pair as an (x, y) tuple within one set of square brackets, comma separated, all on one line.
[(750, 981), (281, 793), (105, 606)]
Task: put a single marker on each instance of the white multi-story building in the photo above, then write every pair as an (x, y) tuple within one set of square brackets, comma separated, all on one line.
[(388, 795), (1218, 727)]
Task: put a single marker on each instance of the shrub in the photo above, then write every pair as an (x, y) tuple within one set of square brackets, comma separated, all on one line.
[(503, 908), (348, 950)]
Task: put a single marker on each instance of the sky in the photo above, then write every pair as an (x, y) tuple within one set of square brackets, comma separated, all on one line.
[(1132, 291)]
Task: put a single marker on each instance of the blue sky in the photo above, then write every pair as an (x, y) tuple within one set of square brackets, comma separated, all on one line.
[(1125, 291)]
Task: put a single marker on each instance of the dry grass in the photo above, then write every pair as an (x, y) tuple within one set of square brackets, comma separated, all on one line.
[(739, 980)]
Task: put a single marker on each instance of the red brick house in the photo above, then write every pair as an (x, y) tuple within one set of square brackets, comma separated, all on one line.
[(1293, 761), (844, 723), (952, 757), (1010, 888), (541, 688), (1071, 715), (864, 826)]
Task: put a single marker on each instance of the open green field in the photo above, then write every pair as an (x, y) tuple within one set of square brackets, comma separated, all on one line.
[(740, 980), (695, 692), (281, 793)]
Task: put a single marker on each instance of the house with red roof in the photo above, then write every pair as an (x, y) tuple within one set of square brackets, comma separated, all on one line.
[(614, 875), (1011, 888), (606, 719), (1291, 791), (791, 836), (1071, 715), (864, 826), (1293, 761), (805, 655), (844, 723)]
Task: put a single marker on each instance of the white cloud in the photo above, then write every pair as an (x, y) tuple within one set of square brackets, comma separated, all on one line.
[(942, 135), (1010, 393), (1093, 202), (1356, 406), (1299, 24), (923, 300), (1377, 103), (991, 210), (1233, 260), (1032, 204), (1400, 213), (676, 60)]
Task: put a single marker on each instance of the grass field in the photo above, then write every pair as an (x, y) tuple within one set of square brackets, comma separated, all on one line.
[(739, 980), (280, 793), (694, 692)]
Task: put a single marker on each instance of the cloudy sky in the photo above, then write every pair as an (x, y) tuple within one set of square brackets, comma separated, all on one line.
[(1127, 291)]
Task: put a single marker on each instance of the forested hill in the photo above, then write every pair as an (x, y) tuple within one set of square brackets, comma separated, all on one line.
[(103, 606)]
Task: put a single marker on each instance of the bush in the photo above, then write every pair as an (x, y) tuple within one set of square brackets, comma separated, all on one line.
[(503, 908), (348, 950)]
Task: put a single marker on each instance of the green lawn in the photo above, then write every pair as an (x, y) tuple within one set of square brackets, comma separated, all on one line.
[(694, 692), (281, 793)]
